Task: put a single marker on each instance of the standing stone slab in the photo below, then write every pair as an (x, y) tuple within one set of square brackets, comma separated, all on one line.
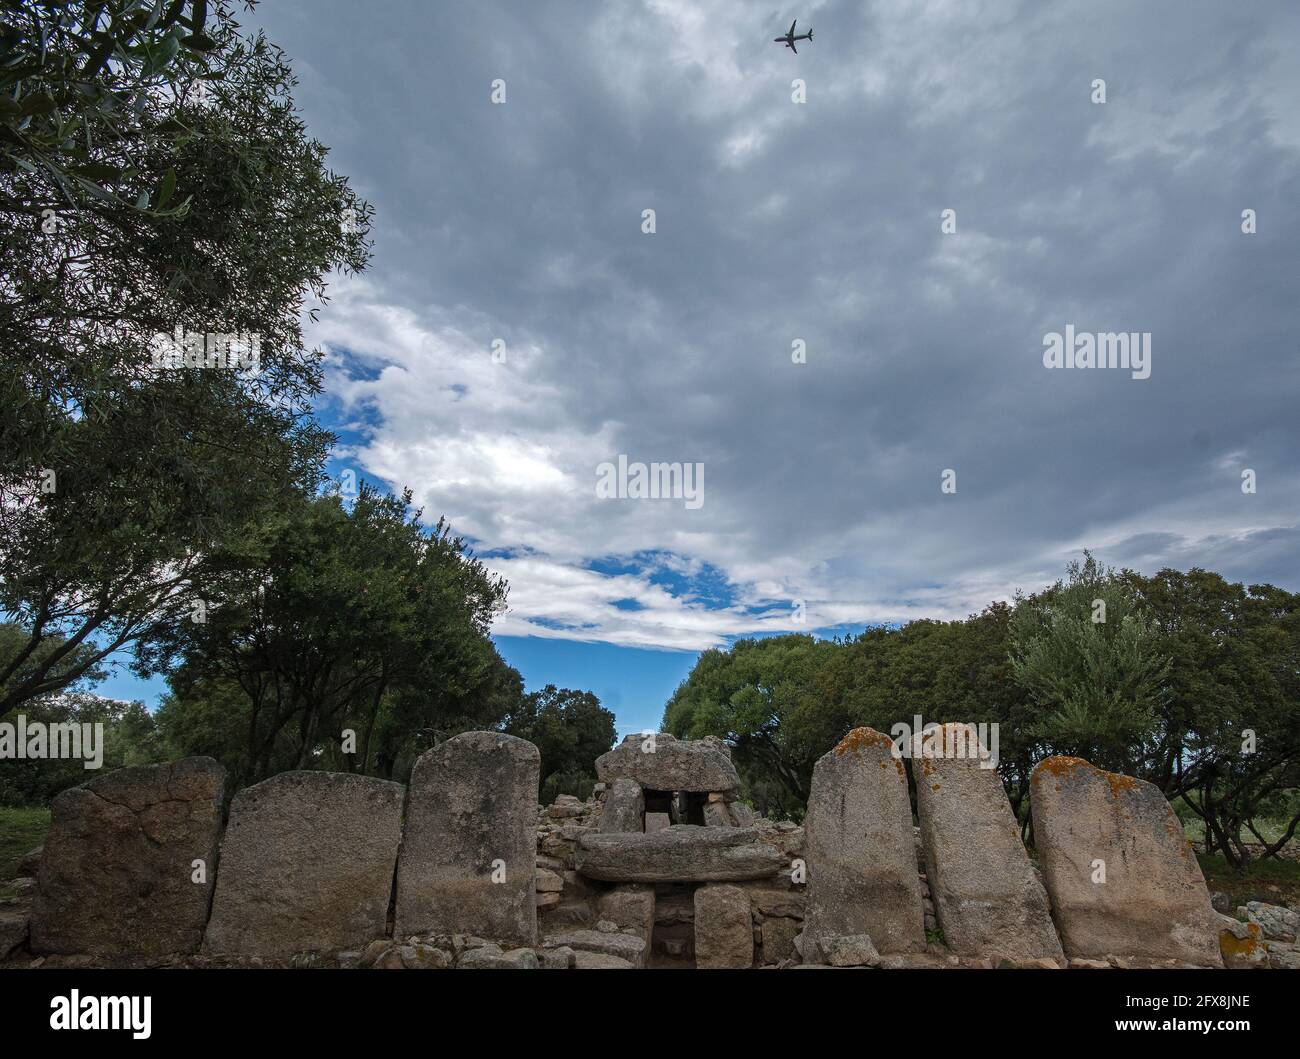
[(306, 865), (116, 877), (624, 807), (471, 840), (988, 900), (1154, 903), (859, 849), (660, 762), (724, 927)]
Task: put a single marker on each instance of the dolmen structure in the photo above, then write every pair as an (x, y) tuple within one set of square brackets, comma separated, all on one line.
[(664, 866)]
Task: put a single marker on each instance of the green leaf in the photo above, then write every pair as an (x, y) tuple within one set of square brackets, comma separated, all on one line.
[(168, 186)]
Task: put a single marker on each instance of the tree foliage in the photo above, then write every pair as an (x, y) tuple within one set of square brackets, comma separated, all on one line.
[(1191, 682), (331, 619), (118, 478), (571, 729)]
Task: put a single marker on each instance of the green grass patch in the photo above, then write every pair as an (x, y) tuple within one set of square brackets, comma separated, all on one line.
[(21, 831), (1275, 881)]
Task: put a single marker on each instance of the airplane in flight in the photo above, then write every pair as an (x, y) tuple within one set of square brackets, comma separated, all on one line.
[(789, 39)]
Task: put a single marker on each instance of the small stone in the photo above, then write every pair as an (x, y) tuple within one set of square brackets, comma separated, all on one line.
[(1276, 921), (560, 959), (548, 882), (852, 950), (606, 926), (14, 923), (371, 953), (424, 957)]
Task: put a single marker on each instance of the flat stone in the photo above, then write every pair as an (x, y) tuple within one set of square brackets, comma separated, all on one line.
[(306, 865), (986, 896), (663, 763), (118, 867), (657, 822), (624, 946), (724, 930), (467, 861), (624, 807), (1153, 903), (681, 853), (601, 961), (860, 851), (490, 957)]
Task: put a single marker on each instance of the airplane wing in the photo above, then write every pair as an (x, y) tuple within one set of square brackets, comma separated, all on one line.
[(792, 27), (793, 48)]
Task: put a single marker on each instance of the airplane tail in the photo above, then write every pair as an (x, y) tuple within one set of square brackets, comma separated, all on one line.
[(810, 34)]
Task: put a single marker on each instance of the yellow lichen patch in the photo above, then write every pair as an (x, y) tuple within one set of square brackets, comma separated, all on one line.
[(934, 786)]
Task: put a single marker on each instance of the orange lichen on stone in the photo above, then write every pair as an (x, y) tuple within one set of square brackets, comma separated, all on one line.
[(861, 738), (1059, 765), (1119, 782), (1233, 947)]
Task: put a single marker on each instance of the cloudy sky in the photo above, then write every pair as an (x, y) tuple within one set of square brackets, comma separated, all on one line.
[(520, 223)]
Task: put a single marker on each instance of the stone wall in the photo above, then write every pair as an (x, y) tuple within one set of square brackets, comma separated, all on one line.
[(663, 867)]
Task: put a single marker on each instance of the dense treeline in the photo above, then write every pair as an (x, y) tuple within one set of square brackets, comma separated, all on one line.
[(156, 180), (1184, 679)]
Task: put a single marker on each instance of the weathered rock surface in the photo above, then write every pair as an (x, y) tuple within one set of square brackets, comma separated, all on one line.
[(600, 961), (854, 950), (861, 858), (724, 929), (664, 763), (606, 943), (681, 853), (117, 872), (630, 905), (1276, 921), (14, 923), (1241, 944), (624, 807), (470, 844), (306, 864), (1153, 903), (988, 899), (778, 934), (492, 957), (30, 865)]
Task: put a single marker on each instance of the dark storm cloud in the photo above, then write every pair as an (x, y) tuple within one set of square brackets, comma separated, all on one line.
[(779, 221)]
